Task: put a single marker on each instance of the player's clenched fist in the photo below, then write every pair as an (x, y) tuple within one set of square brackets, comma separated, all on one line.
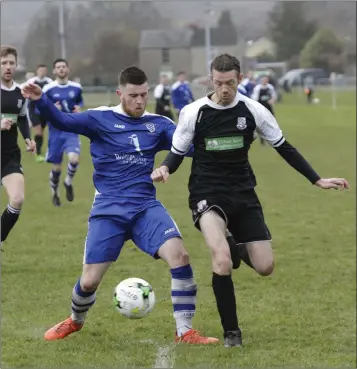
[(160, 174), (31, 91)]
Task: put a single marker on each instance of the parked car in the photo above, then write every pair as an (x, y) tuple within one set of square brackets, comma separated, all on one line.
[(296, 77)]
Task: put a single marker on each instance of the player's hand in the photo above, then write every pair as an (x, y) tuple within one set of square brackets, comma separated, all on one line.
[(31, 91), (167, 108), (58, 105), (6, 124), (76, 109), (30, 146), (334, 183), (161, 174)]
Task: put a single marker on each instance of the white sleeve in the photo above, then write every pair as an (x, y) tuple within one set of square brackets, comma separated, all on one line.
[(185, 131), (23, 111), (266, 125), (255, 93), (159, 90), (273, 92), (46, 88)]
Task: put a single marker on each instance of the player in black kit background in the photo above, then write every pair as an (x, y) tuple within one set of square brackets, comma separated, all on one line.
[(222, 127), (13, 115), (38, 123)]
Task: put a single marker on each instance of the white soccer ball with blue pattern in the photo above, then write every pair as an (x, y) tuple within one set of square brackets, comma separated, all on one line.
[(134, 298)]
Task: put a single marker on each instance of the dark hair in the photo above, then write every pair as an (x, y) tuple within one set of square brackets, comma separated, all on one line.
[(225, 63), (132, 75), (8, 50), (179, 73), (60, 60), (41, 66)]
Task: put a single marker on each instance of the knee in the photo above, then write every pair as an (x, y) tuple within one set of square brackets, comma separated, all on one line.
[(180, 258), (265, 267), (74, 161), (16, 200), (89, 283), (222, 264)]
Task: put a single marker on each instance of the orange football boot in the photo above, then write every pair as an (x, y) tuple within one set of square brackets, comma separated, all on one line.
[(62, 330)]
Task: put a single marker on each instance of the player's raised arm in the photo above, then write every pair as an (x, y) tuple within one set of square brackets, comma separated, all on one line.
[(80, 123), (269, 130)]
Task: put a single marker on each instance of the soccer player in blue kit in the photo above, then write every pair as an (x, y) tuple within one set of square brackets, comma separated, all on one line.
[(124, 142), (67, 96)]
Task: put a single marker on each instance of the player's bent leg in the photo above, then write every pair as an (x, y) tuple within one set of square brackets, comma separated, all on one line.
[(104, 242), (183, 292), (38, 131), (54, 156), (55, 176), (14, 184), (71, 171), (83, 298), (156, 233), (213, 228), (261, 256)]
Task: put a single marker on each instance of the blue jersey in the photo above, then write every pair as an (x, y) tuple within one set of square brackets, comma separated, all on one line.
[(181, 95), (68, 95), (242, 90), (248, 85), (123, 149)]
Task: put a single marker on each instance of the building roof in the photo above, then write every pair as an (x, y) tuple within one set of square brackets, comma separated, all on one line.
[(165, 38)]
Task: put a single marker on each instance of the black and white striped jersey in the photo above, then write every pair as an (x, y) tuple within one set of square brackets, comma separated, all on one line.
[(264, 93), (42, 82), (222, 136), (14, 107)]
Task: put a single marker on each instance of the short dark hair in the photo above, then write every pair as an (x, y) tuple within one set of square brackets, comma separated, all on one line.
[(225, 63), (60, 60), (8, 50), (41, 66), (132, 75), (179, 73)]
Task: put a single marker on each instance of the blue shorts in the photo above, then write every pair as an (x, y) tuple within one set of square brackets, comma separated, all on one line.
[(149, 229), (58, 144)]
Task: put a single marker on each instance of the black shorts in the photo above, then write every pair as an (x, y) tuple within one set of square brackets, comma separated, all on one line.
[(244, 216), (11, 163), (36, 119)]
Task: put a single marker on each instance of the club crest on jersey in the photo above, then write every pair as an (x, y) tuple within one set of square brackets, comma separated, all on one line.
[(19, 103), (150, 127), (241, 123), (71, 94)]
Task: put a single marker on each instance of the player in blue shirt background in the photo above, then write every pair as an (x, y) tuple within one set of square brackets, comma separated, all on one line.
[(181, 93), (67, 96), (124, 142)]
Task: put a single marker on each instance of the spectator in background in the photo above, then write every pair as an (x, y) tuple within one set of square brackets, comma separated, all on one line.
[(181, 92), (162, 95)]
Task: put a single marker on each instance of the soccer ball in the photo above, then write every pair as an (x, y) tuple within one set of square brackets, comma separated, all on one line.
[(134, 298)]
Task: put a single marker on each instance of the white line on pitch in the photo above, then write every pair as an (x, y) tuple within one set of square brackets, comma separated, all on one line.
[(164, 357)]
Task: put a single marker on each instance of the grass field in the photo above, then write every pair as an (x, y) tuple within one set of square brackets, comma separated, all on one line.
[(302, 316)]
